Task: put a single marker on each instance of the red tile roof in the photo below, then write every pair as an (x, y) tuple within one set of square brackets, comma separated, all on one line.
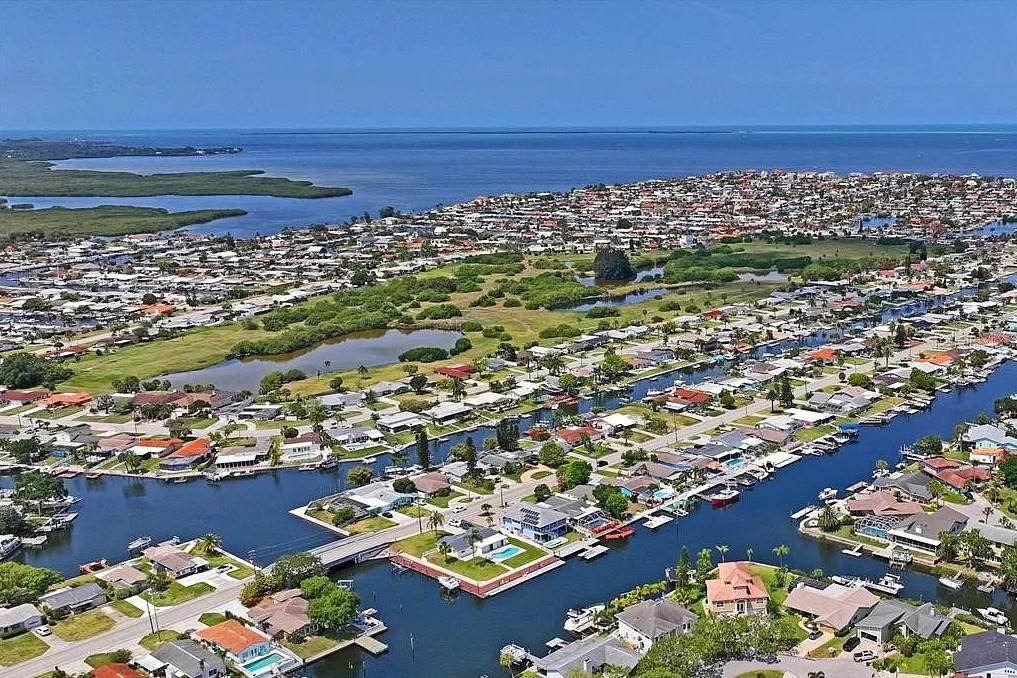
[(231, 635)]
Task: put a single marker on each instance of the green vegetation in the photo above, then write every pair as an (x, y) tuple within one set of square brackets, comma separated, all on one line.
[(154, 640), (177, 593), (418, 544), (371, 524), (104, 658), (103, 220), (126, 609), (84, 625), (212, 618), (38, 178), (20, 649)]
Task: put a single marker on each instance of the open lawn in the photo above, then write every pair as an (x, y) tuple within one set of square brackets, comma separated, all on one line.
[(419, 544), (178, 593), (21, 648), (154, 640), (414, 511), (212, 618), (372, 524), (478, 569), (529, 554), (126, 609), (239, 571), (814, 433), (316, 644), (769, 576), (442, 502), (58, 412), (84, 625), (190, 351)]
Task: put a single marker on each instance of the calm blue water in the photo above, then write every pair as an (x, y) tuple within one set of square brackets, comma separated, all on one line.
[(417, 169)]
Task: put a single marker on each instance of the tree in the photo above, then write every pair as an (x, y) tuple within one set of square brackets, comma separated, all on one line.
[(569, 384), (418, 382), (315, 587), (682, 570), (457, 387), (773, 395), (929, 445), (209, 543), (157, 581), (722, 549), (404, 485), (726, 399), (435, 521), (949, 546), (781, 552), (37, 486), (288, 571), (423, 448), (12, 522), (1008, 568), (335, 609), (26, 450), (552, 454), (20, 583), (787, 394), (612, 264), (572, 473), (541, 492), (828, 519), (336, 384), (704, 566), (358, 476), (25, 370)]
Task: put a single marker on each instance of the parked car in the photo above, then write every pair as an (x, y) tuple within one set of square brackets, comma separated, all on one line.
[(455, 522), (816, 635), (852, 643), (43, 630), (864, 656), (223, 569)]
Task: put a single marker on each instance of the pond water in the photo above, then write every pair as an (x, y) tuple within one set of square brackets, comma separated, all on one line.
[(362, 348)]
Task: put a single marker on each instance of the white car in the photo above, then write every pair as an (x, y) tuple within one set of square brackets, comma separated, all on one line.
[(458, 509), (455, 522), (223, 569), (43, 630)]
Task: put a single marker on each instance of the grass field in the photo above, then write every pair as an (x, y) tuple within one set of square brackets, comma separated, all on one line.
[(154, 640), (372, 524), (20, 649), (212, 618), (104, 220), (38, 178), (418, 544), (126, 609), (178, 593), (84, 625)]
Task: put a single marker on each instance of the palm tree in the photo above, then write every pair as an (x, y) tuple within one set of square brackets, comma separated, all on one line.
[(485, 509), (444, 548), (435, 521), (157, 580), (553, 363), (781, 551), (987, 512), (748, 554), (209, 543), (722, 549), (457, 388), (773, 395)]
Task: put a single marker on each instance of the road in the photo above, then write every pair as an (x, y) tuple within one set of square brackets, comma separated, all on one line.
[(127, 633)]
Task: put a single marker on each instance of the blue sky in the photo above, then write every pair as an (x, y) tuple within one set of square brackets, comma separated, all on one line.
[(142, 65)]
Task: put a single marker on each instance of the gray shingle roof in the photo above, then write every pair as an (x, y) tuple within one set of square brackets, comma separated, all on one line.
[(656, 618), (985, 649)]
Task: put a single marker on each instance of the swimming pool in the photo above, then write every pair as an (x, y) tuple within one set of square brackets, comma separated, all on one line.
[(663, 494), (504, 553), (263, 664)]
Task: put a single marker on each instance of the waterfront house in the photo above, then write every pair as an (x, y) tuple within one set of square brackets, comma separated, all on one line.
[(174, 561), (923, 531), (376, 498), (890, 616), (155, 447), (643, 624), (183, 658), (914, 486), (301, 448), (240, 643), (283, 614), (988, 456), (834, 607), (429, 484), (463, 548), (356, 438), (75, 599), (843, 402), (736, 591), (537, 523), (987, 435), (400, 421), (989, 653), (881, 503), (187, 456), (123, 578), (447, 412), (591, 654), (14, 620)]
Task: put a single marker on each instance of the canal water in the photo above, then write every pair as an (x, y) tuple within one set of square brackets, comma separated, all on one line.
[(362, 348), (429, 636)]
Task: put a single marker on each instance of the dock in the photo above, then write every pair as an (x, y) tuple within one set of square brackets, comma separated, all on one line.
[(594, 551), (656, 521), (371, 644)]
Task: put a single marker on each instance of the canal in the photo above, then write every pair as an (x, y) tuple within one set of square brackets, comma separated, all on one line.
[(429, 636)]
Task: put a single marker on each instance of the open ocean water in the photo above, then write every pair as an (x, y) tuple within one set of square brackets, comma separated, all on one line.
[(413, 170)]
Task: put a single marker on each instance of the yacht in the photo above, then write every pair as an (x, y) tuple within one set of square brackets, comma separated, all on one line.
[(723, 497), (951, 582), (828, 493), (577, 621), (888, 583), (449, 583), (139, 544), (8, 545), (993, 615)]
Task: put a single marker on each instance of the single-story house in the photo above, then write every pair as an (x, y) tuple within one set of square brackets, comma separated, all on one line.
[(75, 599), (400, 421), (183, 658), (283, 614), (461, 548), (123, 577), (989, 653), (19, 618), (446, 412), (430, 483), (174, 561), (834, 607), (240, 643), (188, 455), (592, 653), (889, 617)]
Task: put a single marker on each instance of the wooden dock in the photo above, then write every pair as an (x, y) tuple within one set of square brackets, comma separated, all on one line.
[(372, 645)]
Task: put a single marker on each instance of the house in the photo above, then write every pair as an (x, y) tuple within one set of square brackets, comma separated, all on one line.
[(922, 532), (123, 578), (988, 456), (174, 561), (12, 397), (914, 486), (987, 435), (592, 653), (283, 614), (643, 624), (455, 371), (356, 438), (890, 616), (430, 484), (55, 400), (187, 456), (116, 671), (302, 447), (833, 608), (444, 413), (262, 412), (400, 421), (76, 599), (881, 504), (19, 618), (240, 643), (183, 658), (376, 498), (531, 521), (155, 447), (461, 546), (736, 591), (990, 654)]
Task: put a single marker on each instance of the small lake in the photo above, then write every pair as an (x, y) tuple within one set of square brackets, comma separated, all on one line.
[(769, 276), (363, 348), (626, 300)]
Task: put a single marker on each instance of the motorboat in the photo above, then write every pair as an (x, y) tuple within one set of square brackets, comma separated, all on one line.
[(8, 545), (993, 615), (723, 497), (951, 582), (448, 583), (622, 533), (93, 566), (139, 544), (888, 583), (827, 493), (576, 621)]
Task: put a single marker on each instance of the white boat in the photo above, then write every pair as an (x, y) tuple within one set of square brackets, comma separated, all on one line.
[(578, 620), (448, 583), (951, 583), (855, 552), (827, 493), (656, 521), (8, 545), (888, 583), (33, 541), (993, 615), (139, 544)]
